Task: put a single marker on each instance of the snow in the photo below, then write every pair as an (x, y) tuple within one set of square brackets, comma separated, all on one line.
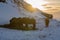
[(50, 33), (7, 12)]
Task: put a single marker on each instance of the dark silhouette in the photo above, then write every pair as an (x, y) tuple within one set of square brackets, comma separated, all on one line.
[(3, 1), (47, 20), (22, 23)]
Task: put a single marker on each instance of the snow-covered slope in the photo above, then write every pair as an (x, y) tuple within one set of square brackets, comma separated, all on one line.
[(7, 11)]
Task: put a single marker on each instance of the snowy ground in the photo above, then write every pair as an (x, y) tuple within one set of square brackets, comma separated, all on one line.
[(50, 33)]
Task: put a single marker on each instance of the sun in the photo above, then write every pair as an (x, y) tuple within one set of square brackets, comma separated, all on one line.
[(37, 3)]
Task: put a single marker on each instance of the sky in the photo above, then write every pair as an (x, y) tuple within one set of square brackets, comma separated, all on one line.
[(52, 5)]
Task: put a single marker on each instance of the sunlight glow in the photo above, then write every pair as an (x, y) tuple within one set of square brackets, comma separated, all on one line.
[(37, 3)]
